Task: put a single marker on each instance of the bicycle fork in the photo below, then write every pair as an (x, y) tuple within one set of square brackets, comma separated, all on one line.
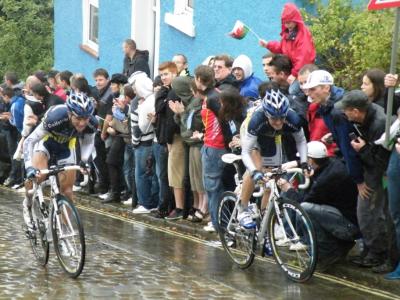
[(66, 221)]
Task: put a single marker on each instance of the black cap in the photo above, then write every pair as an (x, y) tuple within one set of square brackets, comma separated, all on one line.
[(355, 99), (119, 78)]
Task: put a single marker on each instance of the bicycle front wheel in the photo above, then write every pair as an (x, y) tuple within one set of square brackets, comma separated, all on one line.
[(238, 242), (37, 235), (68, 237), (293, 240)]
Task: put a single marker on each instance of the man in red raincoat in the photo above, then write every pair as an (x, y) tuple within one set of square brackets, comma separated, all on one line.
[(296, 43)]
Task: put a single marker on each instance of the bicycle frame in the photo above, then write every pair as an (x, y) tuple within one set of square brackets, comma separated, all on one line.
[(54, 191), (271, 184), (273, 204)]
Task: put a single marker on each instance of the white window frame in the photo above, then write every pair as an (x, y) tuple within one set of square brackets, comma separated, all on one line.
[(86, 23), (182, 18)]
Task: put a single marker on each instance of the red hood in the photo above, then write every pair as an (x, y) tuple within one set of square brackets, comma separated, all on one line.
[(290, 12)]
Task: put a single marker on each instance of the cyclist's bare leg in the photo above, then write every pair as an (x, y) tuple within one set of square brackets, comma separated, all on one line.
[(265, 199), (248, 184), (40, 162), (67, 179)]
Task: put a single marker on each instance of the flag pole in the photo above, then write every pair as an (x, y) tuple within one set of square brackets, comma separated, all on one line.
[(393, 62)]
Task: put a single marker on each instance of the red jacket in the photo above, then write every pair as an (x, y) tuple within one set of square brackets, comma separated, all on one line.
[(317, 127), (301, 50)]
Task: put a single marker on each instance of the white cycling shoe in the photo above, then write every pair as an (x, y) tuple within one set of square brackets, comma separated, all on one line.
[(246, 219), (299, 246)]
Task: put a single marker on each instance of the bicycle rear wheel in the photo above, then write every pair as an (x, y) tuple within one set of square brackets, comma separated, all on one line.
[(68, 237), (293, 240), (239, 243), (37, 235)]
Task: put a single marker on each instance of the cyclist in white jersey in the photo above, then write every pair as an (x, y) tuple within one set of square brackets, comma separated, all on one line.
[(55, 139)]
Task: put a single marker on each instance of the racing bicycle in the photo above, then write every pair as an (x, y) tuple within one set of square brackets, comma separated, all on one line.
[(56, 221), (283, 229)]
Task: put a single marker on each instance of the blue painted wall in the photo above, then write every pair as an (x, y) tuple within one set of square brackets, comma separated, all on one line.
[(114, 28), (213, 20)]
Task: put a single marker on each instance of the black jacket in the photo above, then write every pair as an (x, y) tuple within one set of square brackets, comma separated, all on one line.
[(139, 62), (52, 100), (166, 126), (229, 81), (374, 158), (332, 185)]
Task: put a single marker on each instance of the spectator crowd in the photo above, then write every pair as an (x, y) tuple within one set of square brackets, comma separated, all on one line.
[(160, 140)]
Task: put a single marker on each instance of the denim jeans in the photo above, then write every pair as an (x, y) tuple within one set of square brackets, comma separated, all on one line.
[(12, 137), (393, 173), (213, 167), (147, 192), (129, 170), (335, 234), (161, 157)]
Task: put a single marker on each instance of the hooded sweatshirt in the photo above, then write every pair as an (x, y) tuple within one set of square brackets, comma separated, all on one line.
[(142, 128), (250, 83), (299, 45), (190, 120)]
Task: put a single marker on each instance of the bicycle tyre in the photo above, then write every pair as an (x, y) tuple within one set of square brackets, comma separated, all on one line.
[(232, 242), (297, 260), (75, 246), (37, 237)]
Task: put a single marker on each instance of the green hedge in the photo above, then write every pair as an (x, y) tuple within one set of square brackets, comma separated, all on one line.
[(26, 36), (350, 39)]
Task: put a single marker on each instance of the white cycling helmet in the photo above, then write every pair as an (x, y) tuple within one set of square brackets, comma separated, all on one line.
[(316, 149)]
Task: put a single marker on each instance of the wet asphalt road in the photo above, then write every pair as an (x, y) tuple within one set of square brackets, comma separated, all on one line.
[(129, 260)]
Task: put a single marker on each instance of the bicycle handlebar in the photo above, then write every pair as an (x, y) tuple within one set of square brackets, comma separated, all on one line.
[(57, 169), (280, 172)]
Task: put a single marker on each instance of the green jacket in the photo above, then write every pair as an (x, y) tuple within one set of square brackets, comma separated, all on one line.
[(192, 111)]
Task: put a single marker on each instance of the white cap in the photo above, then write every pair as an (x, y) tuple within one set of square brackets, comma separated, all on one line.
[(318, 77), (316, 149)]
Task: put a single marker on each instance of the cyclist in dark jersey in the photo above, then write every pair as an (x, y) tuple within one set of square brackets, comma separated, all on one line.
[(55, 138), (262, 145)]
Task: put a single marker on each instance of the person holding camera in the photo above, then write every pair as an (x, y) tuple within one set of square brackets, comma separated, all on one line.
[(331, 210), (369, 121)]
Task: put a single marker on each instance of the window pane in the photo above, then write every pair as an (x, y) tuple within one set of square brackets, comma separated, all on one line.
[(94, 24), (190, 3)]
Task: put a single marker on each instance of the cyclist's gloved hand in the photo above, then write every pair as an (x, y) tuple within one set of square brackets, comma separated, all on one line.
[(84, 166), (31, 172), (306, 169), (257, 175)]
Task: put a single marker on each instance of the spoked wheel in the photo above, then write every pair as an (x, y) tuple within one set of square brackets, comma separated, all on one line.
[(37, 235), (68, 237), (237, 242), (293, 240)]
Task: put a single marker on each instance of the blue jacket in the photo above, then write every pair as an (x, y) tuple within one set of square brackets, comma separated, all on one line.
[(249, 86), (17, 112), (340, 128), (336, 94)]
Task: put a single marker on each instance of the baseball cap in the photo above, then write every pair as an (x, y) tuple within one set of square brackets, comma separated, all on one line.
[(316, 149), (318, 77)]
